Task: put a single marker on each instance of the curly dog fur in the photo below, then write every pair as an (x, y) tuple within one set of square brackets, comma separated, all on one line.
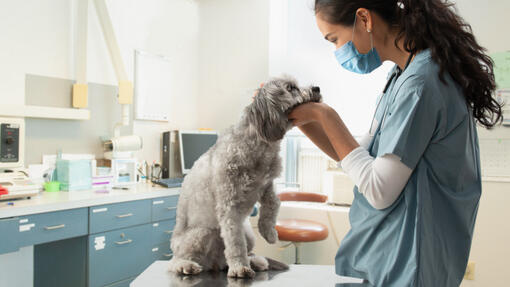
[(212, 231)]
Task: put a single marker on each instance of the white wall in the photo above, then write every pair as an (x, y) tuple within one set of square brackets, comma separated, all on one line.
[(169, 28), (489, 20), (233, 58), (37, 38), (298, 48)]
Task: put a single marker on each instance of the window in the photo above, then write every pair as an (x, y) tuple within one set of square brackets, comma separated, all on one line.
[(304, 164)]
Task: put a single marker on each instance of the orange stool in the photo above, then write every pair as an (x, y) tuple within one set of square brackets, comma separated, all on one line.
[(298, 231)]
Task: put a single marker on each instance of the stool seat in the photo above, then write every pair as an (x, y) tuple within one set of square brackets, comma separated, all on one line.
[(298, 230), (302, 196)]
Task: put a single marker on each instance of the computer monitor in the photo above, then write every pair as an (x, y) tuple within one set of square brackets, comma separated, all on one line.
[(192, 145)]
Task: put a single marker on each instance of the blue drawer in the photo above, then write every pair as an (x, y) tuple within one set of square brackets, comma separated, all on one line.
[(164, 208), (118, 255), (119, 215), (52, 226), (8, 235), (162, 231), (161, 252)]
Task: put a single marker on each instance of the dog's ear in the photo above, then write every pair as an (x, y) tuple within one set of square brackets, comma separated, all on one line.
[(269, 122)]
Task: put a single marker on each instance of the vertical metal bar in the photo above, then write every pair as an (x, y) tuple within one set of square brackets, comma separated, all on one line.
[(80, 41), (111, 41), (298, 259)]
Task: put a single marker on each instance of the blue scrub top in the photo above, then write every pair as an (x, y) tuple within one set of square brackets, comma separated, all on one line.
[(424, 237)]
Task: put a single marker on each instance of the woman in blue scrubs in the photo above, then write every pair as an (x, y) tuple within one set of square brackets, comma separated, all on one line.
[(417, 171)]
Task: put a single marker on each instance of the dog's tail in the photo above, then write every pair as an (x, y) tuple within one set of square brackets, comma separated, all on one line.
[(276, 265)]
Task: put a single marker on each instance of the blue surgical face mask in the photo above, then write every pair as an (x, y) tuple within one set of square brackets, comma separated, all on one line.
[(352, 60)]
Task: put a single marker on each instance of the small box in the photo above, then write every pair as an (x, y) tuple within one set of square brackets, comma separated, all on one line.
[(124, 171), (80, 96), (74, 174)]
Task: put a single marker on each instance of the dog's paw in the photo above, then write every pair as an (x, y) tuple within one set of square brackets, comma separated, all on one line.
[(240, 271), (258, 263), (182, 266), (269, 234)]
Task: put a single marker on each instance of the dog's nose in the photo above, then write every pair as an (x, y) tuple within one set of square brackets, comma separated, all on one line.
[(316, 89)]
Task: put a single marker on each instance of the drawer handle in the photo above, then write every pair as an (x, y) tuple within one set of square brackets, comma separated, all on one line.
[(167, 254), (123, 242), (125, 215), (55, 227), (171, 208), (169, 231)]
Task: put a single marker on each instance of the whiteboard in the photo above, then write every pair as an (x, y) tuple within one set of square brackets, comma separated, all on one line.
[(152, 86)]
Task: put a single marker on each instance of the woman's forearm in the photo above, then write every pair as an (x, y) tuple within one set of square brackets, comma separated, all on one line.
[(339, 136), (317, 135)]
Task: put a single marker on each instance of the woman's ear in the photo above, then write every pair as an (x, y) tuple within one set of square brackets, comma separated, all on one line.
[(365, 16)]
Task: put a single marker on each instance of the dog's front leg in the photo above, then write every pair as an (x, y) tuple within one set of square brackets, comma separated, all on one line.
[(236, 253), (269, 205)]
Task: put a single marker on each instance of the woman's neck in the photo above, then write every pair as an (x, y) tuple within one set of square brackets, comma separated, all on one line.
[(390, 52)]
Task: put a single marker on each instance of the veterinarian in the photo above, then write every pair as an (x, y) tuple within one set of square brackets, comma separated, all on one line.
[(417, 171)]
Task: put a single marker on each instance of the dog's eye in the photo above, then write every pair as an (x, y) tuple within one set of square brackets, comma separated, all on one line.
[(290, 88)]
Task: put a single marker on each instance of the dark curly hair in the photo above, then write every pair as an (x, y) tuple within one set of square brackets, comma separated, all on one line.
[(434, 25)]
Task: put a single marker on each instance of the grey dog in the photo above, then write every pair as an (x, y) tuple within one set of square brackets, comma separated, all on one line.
[(218, 194)]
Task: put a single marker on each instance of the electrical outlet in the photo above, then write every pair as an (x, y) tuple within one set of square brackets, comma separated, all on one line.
[(470, 271)]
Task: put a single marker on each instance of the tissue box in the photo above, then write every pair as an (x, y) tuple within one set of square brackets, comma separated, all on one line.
[(74, 174)]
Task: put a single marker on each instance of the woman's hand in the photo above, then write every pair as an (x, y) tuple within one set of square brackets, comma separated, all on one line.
[(306, 113)]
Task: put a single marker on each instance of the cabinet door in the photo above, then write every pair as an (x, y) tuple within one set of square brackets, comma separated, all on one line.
[(119, 215), (8, 235), (162, 231), (118, 255), (164, 208), (161, 252), (52, 226)]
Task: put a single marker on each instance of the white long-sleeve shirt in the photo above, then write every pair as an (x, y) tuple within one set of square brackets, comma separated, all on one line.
[(381, 179)]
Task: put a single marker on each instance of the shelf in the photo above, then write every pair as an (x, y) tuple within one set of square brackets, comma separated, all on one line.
[(44, 112)]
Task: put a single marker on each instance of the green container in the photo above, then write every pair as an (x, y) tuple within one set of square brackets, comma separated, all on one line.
[(52, 186)]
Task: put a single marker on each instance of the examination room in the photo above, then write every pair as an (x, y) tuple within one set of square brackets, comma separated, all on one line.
[(254, 143)]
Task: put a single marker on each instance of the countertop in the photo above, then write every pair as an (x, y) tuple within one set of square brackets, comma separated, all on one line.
[(157, 274), (63, 200)]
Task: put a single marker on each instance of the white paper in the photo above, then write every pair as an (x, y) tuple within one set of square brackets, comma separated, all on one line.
[(99, 243), (26, 227), (158, 202), (24, 220), (37, 171), (104, 209)]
